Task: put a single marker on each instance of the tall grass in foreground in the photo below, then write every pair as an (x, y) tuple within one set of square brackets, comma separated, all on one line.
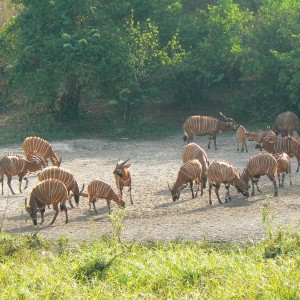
[(32, 268)]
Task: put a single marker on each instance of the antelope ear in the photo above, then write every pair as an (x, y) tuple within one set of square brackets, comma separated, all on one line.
[(127, 166)]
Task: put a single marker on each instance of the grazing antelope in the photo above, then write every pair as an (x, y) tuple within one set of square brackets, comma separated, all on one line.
[(241, 137), (64, 176), (220, 171), (49, 191), (123, 177), (203, 125), (17, 165), (99, 189), (286, 123), (289, 145), (190, 171), (35, 144), (193, 151), (259, 165), (283, 167)]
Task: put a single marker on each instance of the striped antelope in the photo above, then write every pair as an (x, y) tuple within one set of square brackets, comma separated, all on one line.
[(193, 151), (99, 189), (220, 171), (33, 144), (203, 125), (241, 137), (190, 171), (123, 177), (64, 176), (258, 136), (17, 165), (283, 167), (286, 123), (259, 165), (49, 191), (289, 145)]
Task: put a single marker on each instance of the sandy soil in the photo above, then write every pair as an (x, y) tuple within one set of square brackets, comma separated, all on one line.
[(154, 216)]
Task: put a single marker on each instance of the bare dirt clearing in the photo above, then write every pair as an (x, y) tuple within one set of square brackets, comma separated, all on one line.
[(154, 216)]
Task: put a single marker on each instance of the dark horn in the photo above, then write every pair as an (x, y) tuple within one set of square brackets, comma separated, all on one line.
[(169, 186), (82, 189), (226, 118), (123, 163)]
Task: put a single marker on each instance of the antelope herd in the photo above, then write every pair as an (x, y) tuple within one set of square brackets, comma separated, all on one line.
[(58, 185)]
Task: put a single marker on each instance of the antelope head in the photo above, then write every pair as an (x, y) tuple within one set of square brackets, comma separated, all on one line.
[(230, 122), (32, 210), (56, 161), (175, 193), (76, 197), (120, 166)]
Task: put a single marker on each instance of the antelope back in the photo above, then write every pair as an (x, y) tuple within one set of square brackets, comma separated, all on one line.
[(50, 191), (188, 172), (261, 164), (220, 171), (193, 151), (35, 144), (201, 125), (287, 121), (100, 189), (61, 174), (11, 165)]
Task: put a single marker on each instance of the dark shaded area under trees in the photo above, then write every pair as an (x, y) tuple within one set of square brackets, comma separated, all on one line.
[(68, 59)]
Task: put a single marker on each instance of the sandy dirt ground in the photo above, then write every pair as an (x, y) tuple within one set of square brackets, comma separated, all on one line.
[(153, 216)]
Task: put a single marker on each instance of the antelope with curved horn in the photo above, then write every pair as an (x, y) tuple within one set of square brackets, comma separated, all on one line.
[(204, 125), (123, 177)]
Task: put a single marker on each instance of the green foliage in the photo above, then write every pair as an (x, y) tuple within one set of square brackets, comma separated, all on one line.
[(62, 57), (101, 269)]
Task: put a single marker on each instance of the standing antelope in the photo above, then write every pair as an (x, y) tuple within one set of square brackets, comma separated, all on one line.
[(283, 166), (16, 165), (64, 176), (190, 171), (35, 144), (289, 145), (193, 151), (259, 165), (49, 191), (203, 125), (286, 123), (99, 189), (123, 177), (241, 137), (220, 171)]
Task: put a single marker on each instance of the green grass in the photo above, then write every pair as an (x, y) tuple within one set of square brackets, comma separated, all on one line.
[(32, 268)]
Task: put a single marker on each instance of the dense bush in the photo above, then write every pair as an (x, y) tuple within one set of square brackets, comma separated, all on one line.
[(60, 57)]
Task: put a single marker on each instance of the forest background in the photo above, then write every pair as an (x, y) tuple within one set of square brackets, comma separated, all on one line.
[(72, 68)]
